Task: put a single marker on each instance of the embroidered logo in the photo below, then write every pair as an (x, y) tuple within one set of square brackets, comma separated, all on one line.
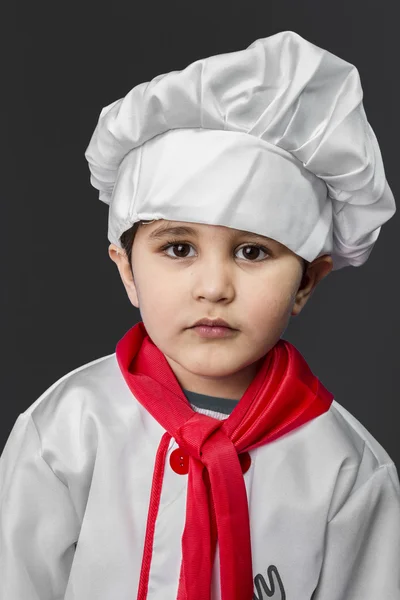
[(273, 589)]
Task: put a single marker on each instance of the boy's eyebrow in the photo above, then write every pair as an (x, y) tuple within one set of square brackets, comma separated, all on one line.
[(165, 230)]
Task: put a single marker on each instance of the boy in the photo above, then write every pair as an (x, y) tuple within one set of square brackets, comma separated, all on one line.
[(204, 462)]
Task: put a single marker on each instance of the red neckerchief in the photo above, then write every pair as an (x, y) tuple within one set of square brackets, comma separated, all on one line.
[(283, 396)]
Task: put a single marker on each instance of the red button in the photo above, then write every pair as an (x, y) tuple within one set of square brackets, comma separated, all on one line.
[(179, 461), (245, 461)]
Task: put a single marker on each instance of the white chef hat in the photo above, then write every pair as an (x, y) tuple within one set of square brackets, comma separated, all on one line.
[(272, 139)]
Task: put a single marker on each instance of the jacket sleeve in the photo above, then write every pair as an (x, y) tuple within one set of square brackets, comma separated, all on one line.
[(362, 543), (38, 523)]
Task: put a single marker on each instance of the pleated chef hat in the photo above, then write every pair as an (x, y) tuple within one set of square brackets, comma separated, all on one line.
[(272, 139)]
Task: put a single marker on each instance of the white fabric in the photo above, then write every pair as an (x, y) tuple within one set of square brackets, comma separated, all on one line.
[(324, 503), (209, 412), (272, 139)]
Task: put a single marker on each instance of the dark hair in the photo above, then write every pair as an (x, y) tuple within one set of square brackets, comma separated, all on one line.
[(128, 237)]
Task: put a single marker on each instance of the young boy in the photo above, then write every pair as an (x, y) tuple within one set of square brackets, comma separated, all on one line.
[(200, 462)]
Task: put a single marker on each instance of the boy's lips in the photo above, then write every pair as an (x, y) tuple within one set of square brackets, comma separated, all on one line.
[(212, 323)]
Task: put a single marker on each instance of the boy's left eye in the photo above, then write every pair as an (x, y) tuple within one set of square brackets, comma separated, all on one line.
[(175, 244)]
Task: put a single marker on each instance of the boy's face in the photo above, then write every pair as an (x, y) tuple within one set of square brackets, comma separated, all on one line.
[(214, 274)]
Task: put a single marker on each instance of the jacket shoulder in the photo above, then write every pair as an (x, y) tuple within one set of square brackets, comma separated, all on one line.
[(75, 389), (359, 436)]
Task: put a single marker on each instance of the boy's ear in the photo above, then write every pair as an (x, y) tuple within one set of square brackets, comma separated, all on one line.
[(118, 255), (317, 270)]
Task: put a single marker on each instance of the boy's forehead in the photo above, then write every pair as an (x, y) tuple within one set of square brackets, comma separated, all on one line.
[(163, 227)]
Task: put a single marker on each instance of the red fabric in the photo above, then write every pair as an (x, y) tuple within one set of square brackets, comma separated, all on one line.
[(283, 396)]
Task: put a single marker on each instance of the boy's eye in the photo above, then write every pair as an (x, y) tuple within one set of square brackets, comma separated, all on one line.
[(248, 255)]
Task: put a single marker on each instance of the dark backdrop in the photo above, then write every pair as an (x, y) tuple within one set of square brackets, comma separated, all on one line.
[(63, 303)]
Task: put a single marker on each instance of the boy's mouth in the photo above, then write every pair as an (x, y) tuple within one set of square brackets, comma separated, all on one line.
[(206, 322), (206, 331)]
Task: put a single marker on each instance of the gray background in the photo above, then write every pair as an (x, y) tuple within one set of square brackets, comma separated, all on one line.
[(63, 303)]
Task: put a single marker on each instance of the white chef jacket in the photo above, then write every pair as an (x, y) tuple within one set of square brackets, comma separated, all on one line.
[(75, 481)]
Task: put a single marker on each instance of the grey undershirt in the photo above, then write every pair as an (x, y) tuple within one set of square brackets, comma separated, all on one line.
[(221, 405)]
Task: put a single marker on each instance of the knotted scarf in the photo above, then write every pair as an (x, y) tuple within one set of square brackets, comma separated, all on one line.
[(283, 396)]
